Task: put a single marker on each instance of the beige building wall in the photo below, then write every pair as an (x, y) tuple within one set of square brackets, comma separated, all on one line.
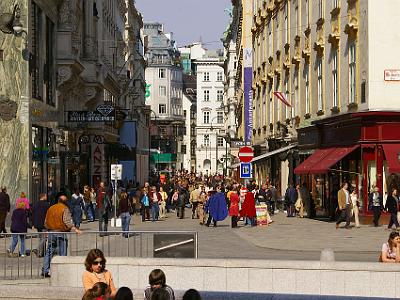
[(244, 41), (384, 49), (298, 43)]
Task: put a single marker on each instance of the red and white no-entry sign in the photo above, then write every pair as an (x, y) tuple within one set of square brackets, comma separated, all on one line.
[(246, 154)]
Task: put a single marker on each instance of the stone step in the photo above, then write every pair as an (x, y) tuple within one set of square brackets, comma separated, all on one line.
[(41, 289)]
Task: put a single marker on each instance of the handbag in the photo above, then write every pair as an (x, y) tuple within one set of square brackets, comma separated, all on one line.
[(131, 208), (298, 204)]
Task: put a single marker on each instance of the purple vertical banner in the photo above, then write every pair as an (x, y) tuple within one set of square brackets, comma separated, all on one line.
[(248, 95), (248, 106)]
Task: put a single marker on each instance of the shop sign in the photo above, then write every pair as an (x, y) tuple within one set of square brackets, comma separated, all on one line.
[(40, 154), (392, 75), (54, 161), (103, 113)]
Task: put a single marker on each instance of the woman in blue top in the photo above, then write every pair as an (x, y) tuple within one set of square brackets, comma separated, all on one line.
[(145, 205)]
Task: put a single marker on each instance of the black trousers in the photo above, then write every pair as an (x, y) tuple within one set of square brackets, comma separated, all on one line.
[(393, 220), (181, 212), (145, 211), (194, 209), (344, 216), (377, 214), (209, 221), (3, 216), (234, 221)]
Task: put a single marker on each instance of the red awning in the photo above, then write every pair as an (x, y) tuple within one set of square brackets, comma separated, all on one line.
[(332, 158), (312, 160), (323, 159), (392, 152)]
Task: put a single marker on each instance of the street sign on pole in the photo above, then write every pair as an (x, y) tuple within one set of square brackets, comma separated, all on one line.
[(245, 170), (246, 154), (116, 172)]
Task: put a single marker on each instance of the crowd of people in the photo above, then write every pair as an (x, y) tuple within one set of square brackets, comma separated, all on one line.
[(98, 283), (211, 199)]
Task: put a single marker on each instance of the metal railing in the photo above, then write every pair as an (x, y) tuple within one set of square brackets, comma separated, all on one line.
[(144, 244)]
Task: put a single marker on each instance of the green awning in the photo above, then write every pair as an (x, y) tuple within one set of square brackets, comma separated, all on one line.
[(163, 158)]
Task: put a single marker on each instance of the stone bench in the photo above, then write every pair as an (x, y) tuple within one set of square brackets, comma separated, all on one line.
[(245, 276)]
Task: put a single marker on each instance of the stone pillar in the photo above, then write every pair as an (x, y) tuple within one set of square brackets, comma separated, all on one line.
[(15, 126), (88, 32)]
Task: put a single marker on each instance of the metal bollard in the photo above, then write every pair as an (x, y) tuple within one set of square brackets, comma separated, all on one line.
[(327, 255)]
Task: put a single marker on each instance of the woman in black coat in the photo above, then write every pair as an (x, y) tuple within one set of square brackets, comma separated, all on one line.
[(392, 207), (19, 224)]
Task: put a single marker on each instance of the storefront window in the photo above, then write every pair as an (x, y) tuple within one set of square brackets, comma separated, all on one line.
[(53, 164), (39, 153)]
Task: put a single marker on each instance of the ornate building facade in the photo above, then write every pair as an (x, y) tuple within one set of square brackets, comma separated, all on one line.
[(83, 61), (327, 59)]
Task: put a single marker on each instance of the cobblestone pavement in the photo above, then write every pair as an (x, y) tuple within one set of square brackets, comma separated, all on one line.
[(285, 238)]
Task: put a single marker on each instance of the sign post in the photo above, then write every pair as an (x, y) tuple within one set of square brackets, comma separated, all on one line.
[(116, 174), (245, 170), (246, 154)]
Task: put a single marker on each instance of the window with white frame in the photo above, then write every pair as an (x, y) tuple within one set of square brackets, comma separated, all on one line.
[(286, 12), (270, 43), (279, 103), (220, 117), (220, 141), (206, 117), (206, 140), (352, 72), (162, 90), (220, 76), (271, 104), (335, 3), (278, 30), (295, 107), (320, 85), (206, 76), (297, 21), (287, 95), (307, 87), (264, 106), (335, 85), (162, 109), (307, 4), (321, 8), (206, 95), (161, 73), (258, 112), (220, 95)]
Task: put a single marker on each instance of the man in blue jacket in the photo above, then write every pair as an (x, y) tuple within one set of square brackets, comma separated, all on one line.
[(290, 200), (39, 215)]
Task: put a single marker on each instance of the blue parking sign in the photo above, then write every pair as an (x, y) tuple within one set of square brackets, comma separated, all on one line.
[(245, 170)]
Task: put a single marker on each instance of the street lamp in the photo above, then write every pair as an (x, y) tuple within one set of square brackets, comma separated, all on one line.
[(216, 144)]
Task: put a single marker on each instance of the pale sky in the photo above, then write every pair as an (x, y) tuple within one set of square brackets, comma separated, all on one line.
[(189, 20)]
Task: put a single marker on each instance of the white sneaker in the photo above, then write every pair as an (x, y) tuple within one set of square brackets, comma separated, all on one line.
[(22, 255)]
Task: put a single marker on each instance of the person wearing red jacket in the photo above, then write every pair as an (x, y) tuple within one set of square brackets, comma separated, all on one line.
[(234, 208), (249, 209)]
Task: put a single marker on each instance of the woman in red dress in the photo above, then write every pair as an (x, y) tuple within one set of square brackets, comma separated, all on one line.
[(249, 209)]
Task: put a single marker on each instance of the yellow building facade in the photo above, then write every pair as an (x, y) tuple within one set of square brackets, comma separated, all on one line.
[(308, 50)]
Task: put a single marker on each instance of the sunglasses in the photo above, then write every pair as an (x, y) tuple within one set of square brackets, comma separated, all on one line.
[(96, 262)]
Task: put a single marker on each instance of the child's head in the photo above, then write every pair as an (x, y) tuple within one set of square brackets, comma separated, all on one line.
[(157, 279), (160, 294), (100, 290)]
